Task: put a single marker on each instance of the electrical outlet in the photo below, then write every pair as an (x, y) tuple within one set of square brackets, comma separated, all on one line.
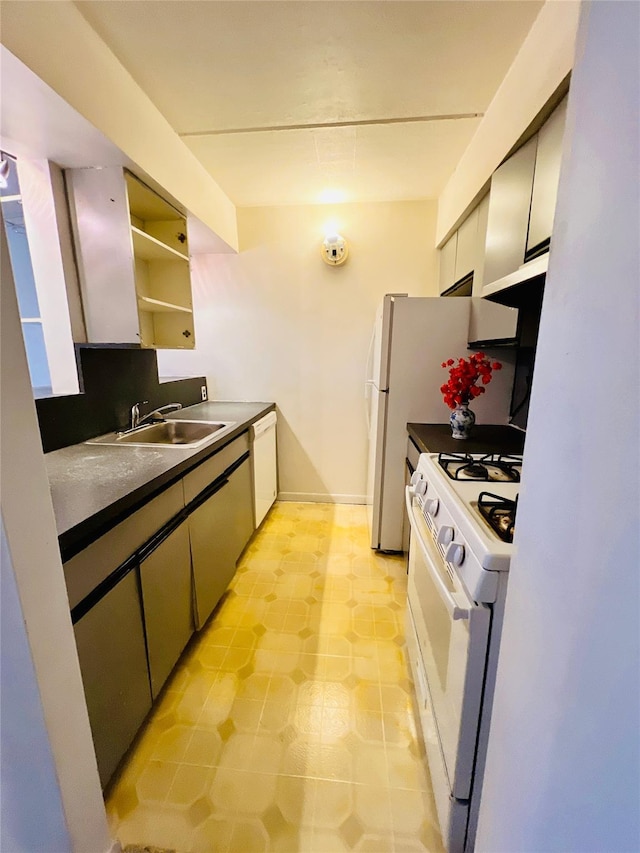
[(203, 391)]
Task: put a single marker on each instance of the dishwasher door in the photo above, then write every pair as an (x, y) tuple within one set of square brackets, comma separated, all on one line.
[(265, 475)]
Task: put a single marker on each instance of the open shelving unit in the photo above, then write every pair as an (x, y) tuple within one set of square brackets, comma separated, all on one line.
[(162, 276), (133, 260)]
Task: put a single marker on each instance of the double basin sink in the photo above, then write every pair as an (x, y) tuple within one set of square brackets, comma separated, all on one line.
[(169, 433)]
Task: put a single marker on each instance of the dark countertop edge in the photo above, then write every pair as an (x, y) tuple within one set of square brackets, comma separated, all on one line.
[(81, 535), (488, 438)]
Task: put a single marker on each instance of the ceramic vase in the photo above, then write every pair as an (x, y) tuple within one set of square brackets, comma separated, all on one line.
[(462, 420)]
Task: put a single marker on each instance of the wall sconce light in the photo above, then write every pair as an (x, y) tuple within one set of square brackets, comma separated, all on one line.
[(334, 250)]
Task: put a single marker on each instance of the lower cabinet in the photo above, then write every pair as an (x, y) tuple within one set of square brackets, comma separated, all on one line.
[(165, 581), (219, 529), (133, 620), (113, 662), (240, 496)]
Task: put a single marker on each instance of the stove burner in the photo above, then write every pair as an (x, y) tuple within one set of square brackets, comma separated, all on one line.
[(499, 513), (476, 470), (492, 467)]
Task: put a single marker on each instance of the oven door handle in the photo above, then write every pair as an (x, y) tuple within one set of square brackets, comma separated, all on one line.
[(455, 609)]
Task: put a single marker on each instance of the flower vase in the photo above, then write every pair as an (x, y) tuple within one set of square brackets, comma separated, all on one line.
[(462, 420)]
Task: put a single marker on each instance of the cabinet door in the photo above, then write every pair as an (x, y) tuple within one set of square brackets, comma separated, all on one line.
[(213, 551), (113, 662), (481, 239), (467, 246), (239, 495), (133, 262), (448, 262), (165, 577), (546, 177), (509, 205), (104, 253)]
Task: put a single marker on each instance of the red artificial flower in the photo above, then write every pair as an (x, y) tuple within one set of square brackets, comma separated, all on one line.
[(463, 378)]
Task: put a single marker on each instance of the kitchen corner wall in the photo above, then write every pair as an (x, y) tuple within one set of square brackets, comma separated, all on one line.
[(276, 323)]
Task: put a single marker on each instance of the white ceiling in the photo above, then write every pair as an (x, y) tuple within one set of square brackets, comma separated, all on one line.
[(298, 102)]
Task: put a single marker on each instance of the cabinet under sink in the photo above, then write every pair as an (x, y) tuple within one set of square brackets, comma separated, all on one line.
[(139, 591)]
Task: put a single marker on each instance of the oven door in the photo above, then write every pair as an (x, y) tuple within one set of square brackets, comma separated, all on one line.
[(452, 632)]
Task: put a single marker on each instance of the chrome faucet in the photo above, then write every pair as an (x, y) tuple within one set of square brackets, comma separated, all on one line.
[(152, 417)]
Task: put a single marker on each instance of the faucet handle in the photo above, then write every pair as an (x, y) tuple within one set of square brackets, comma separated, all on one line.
[(135, 413)]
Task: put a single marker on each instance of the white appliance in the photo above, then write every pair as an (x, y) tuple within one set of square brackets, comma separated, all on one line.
[(265, 474), (458, 571), (411, 338)]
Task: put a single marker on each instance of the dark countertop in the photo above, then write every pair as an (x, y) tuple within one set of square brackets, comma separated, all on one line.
[(95, 486), (486, 438)]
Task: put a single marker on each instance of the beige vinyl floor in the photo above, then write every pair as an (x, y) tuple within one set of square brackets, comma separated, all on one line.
[(288, 724)]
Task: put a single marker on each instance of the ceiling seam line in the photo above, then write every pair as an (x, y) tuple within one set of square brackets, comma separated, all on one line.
[(330, 125)]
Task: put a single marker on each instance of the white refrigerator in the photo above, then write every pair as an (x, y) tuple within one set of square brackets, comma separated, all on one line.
[(411, 338)]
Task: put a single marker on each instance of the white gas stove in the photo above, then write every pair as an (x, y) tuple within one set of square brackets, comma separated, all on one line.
[(462, 512), (454, 489)]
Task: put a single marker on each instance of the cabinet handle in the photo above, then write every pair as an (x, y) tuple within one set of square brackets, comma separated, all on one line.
[(83, 607)]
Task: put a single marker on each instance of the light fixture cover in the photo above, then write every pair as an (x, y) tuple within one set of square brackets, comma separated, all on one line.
[(334, 250)]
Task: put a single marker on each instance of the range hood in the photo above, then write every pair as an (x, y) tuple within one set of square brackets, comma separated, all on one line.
[(527, 272), (492, 325)]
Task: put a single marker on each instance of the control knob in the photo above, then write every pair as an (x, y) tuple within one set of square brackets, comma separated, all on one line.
[(432, 506), (455, 554), (445, 535), (415, 477), (421, 487)]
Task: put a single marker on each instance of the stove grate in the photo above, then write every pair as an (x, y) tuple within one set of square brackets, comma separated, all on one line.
[(499, 513)]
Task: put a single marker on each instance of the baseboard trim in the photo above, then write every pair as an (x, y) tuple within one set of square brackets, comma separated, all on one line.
[(313, 498)]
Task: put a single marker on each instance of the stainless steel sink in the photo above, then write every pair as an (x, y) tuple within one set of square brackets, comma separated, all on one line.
[(170, 433)]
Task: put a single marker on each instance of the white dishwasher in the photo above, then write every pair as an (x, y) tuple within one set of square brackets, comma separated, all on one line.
[(265, 474)]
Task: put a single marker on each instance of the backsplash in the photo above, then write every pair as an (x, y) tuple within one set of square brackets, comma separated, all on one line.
[(112, 379)]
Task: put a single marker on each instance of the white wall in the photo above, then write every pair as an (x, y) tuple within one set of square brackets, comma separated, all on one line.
[(563, 769), (543, 61), (45, 735), (276, 323)]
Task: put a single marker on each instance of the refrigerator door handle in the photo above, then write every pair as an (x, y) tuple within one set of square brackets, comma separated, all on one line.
[(369, 381), (369, 378), (367, 402)]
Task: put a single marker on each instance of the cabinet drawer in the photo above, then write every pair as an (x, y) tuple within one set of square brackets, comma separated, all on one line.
[(197, 480), (90, 567)]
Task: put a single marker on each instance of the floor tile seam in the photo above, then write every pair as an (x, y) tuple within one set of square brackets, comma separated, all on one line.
[(314, 777)]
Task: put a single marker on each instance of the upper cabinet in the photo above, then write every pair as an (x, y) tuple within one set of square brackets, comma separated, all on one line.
[(522, 203), (545, 181), (448, 263), (509, 205), (461, 256), (466, 248), (133, 261)]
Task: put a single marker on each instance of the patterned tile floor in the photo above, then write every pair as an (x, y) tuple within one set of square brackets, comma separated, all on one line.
[(288, 724)]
